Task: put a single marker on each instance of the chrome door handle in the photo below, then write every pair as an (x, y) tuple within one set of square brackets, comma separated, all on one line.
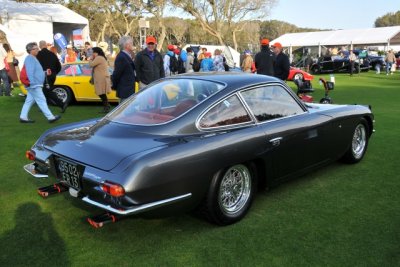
[(276, 141)]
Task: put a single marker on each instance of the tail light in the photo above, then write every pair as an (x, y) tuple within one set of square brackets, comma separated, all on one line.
[(29, 154), (113, 189)]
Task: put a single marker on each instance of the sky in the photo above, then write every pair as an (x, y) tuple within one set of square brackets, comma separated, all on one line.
[(335, 15)]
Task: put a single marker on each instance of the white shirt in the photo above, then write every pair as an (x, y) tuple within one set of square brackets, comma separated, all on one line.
[(3, 55)]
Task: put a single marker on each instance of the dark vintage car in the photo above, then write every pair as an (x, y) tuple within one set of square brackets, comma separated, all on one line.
[(197, 141), (375, 61), (337, 64)]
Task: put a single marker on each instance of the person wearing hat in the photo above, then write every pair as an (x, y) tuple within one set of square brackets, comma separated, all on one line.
[(282, 63), (170, 61), (247, 62), (265, 59), (207, 63), (149, 64)]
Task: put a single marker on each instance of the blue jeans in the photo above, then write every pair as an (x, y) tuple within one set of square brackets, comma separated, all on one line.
[(388, 67), (35, 95), (4, 78)]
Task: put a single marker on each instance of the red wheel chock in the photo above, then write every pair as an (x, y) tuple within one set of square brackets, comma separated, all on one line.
[(52, 189), (99, 220)]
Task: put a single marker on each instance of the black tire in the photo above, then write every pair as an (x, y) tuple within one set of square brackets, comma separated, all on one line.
[(315, 70), (326, 100), (359, 143), (64, 93), (298, 76), (230, 194)]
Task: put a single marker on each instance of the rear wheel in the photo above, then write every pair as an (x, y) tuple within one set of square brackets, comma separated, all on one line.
[(63, 93), (230, 194), (359, 143), (315, 70)]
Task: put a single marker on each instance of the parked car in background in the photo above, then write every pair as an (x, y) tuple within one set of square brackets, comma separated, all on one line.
[(299, 74), (337, 64), (373, 59), (72, 84), (204, 141)]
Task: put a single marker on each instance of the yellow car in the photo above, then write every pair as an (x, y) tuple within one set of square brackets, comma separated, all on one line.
[(72, 84)]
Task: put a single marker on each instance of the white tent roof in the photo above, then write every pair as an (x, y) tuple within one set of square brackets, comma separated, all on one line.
[(381, 35), (40, 12)]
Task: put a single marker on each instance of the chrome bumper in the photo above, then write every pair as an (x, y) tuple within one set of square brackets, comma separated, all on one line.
[(141, 208), (30, 168)]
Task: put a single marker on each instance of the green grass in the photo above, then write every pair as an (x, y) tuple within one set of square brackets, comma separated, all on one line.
[(341, 215)]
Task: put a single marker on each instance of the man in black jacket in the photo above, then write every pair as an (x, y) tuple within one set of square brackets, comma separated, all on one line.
[(51, 65), (123, 77), (149, 64), (265, 59), (282, 64)]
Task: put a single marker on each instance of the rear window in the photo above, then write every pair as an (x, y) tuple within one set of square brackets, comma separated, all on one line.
[(164, 101)]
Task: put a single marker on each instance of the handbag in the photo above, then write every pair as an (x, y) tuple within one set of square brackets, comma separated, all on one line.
[(15, 61)]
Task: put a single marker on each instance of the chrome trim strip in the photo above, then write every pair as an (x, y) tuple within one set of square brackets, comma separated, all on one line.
[(141, 208)]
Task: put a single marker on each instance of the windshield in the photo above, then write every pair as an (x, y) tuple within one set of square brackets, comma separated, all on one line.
[(164, 101)]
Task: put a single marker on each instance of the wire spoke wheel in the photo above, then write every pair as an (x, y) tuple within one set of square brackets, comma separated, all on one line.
[(235, 189), (359, 141)]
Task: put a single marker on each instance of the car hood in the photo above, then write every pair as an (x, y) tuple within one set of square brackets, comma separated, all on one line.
[(102, 145)]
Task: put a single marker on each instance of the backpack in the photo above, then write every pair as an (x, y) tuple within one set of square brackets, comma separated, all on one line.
[(196, 64), (173, 64), (181, 66), (23, 76)]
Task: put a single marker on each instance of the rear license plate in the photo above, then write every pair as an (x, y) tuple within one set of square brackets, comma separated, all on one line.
[(69, 172)]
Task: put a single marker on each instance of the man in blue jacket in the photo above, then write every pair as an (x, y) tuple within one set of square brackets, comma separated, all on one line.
[(123, 77), (36, 77)]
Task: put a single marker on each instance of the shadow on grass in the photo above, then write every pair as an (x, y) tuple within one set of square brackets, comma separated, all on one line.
[(33, 241)]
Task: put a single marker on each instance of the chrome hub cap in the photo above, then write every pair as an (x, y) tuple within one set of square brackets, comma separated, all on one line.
[(235, 189), (359, 141)]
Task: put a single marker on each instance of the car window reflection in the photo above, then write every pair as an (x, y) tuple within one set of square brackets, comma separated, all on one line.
[(164, 101), (228, 112), (271, 102)]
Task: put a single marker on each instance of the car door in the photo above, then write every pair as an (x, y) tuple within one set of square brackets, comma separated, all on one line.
[(295, 138)]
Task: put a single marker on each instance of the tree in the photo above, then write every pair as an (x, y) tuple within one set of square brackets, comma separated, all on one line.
[(213, 15), (390, 19), (156, 8)]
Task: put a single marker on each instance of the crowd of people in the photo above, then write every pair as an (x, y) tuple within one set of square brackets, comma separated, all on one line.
[(43, 63)]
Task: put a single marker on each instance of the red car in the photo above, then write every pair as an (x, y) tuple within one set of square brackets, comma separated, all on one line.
[(296, 73)]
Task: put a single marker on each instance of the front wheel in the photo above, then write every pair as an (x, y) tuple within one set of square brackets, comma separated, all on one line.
[(230, 194), (359, 143)]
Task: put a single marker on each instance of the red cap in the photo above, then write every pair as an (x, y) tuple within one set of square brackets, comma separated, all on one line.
[(151, 39), (264, 42), (170, 47), (278, 45), (208, 54), (177, 51)]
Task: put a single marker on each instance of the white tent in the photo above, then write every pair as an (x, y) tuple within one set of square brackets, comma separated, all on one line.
[(382, 36), (31, 22), (232, 56)]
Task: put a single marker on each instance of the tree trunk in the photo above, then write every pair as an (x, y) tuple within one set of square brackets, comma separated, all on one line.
[(163, 34)]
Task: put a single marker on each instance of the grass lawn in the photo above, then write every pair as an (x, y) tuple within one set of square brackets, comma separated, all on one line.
[(341, 215)]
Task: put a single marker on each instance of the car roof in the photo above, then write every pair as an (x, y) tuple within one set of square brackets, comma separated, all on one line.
[(232, 79)]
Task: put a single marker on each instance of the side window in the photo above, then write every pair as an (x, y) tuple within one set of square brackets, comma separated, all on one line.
[(271, 102), (229, 112)]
